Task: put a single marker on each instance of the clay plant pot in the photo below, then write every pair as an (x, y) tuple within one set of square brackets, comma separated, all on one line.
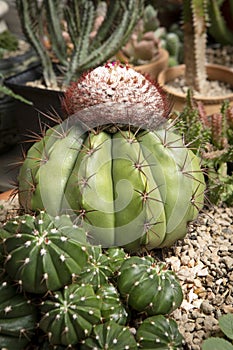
[(153, 68), (212, 104)]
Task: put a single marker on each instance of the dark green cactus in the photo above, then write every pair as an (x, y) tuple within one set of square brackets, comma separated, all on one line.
[(69, 314), (159, 332), (69, 28), (125, 187), (148, 286), (97, 269), (43, 253), (218, 27), (110, 335), (17, 317), (112, 307)]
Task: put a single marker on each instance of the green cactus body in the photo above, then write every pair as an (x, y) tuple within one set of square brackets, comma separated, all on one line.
[(70, 314), (159, 332), (17, 318), (123, 189), (43, 253), (149, 286), (110, 335), (112, 307), (97, 269), (125, 186)]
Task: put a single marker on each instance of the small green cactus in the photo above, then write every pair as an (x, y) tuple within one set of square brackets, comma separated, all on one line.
[(148, 286), (112, 336), (43, 253), (69, 314), (18, 317), (97, 269), (159, 332), (112, 307)]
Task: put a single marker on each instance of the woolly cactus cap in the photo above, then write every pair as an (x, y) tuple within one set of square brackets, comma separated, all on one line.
[(136, 99)]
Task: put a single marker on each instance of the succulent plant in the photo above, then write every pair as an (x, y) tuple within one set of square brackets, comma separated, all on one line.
[(43, 254), (68, 26), (124, 185), (112, 308), (148, 286), (97, 269), (110, 335), (69, 314), (18, 317), (159, 332)]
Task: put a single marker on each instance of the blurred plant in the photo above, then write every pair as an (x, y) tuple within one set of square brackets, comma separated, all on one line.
[(212, 138), (148, 37), (8, 42), (218, 27), (80, 34), (217, 343)]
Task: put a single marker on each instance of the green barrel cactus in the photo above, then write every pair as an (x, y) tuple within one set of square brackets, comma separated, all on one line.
[(18, 318), (43, 253), (112, 307), (69, 314), (148, 286), (116, 164), (110, 335), (159, 332)]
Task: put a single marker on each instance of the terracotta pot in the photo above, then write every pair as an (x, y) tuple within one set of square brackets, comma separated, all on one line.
[(212, 103), (6, 195), (154, 67)]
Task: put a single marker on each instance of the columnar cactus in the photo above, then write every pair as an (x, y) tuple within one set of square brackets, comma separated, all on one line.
[(17, 317), (62, 32), (148, 286), (43, 253), (124, 185)]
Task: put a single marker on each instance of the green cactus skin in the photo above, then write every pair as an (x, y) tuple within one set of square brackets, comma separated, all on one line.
[(159, 332), (17, 318), (70, 314), (149, 287), (124, 185), (110, 335), (116, 257), (97, 269), (112, 308), (44, 253), (165, 186)]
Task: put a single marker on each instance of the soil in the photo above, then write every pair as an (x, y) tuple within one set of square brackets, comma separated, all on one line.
[(203, 262)]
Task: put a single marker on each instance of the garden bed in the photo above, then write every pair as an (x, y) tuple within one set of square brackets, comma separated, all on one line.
[(204, 264)]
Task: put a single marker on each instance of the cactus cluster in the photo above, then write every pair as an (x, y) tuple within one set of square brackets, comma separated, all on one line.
[(90, 307), (69, 26), (124, 185)]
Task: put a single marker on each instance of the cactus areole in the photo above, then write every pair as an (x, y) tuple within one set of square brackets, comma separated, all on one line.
[(115, 164)]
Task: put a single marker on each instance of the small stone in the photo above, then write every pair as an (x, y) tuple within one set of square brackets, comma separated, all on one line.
[(206, 307), (209, 323)]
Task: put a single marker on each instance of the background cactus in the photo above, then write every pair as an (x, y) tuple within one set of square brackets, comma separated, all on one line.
[(149, 287), (68, 28), (165, 185), (43, 254)]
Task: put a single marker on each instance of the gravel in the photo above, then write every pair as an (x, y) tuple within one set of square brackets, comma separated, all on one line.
[(203, 261)]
